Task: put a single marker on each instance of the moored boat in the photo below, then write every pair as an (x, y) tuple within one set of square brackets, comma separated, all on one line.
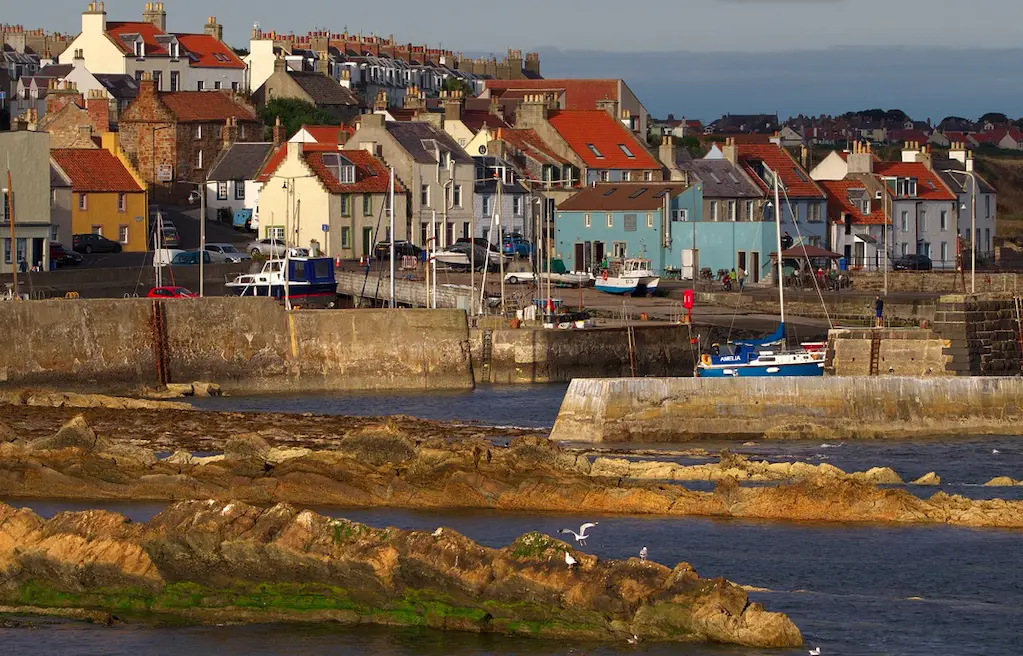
[(628, 277), (309, 281)]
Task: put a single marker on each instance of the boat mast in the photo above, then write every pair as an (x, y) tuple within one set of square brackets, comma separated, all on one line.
[(10, 219), (777, 234)]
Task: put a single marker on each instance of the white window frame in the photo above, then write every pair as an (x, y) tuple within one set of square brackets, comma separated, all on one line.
[(198, 160), (516, 205), (122, 202), (198, 132), (275, 232), (486, 205), (713, 210), (733, 209), (456, 196), (122, 233), (649, 220), (587, 220), (424, 195), (610, 220), (904, 221), (239, 190), (83, 201), (222, 190), (943, 218)]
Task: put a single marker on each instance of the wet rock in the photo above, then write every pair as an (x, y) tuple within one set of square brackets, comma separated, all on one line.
[(379, 446), (879, 476), (1002, 481), (74, 434), (929, 478), (246, 447)]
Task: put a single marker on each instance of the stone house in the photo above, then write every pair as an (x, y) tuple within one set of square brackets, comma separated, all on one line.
[(173, 138), (232, 183), (29, 154), (317, 195), (437, 173), (316, 88), (74, 121)]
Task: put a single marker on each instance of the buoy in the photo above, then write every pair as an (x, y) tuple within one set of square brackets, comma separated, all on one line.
[(337, 262), (604, 275)]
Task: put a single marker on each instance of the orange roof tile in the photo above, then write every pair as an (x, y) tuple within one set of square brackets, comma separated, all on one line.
[(330, 134), (371, 176), (205, 106), (609, 140), (95, 170), (929, 186), (837, 192), (146, 30), (796, 180), (209, 51), (579, 93)]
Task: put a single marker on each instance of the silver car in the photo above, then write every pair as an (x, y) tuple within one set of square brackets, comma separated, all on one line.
[(226, 253), (273, 248)]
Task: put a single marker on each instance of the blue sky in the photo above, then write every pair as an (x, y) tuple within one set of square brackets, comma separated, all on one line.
[(756, 55)]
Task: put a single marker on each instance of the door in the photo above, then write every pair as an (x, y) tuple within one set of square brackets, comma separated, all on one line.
[(754, 268), (37, 254), (859, 254), (740, 258), (598, 251), (690, 263), (847, 253), (367, 241), (580, 254)]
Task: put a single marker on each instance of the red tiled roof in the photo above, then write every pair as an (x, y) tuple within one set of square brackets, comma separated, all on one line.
[(209, 51), (579, 93), (837, 192), (908, 135), (205, 106), (530, 143), (582, 128), (797, 181), (371, 176), (146, 30), (94, 169), (329, 134), (928, 186)]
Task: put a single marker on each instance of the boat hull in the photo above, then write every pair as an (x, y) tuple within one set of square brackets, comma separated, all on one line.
[(322, 295), (767, 370), (616, 286)]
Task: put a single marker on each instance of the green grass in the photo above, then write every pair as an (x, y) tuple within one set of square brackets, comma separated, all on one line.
[(533, 545)]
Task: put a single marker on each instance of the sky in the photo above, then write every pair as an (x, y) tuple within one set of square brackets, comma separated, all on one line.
[(743, 41)]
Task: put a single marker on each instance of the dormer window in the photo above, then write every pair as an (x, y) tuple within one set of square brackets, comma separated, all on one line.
[(445, 159), (595, 151), (140, 48), (906, 187), (339, 167), (175, 50)]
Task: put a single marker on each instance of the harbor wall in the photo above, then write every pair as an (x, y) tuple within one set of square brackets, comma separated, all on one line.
[(644, 410), (245, 344)]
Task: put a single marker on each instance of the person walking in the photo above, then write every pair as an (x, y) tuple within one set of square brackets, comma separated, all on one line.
[(878, 312), (741, 275)]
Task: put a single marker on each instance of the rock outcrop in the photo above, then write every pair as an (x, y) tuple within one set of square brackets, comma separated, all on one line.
[(929, 478), (75, 400), (215, 561), (1002, 481)]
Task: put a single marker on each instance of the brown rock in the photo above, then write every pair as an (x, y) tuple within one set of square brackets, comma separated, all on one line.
[(929, 478), (1001, 481), (246, 447), (74, 434), (7, 433)]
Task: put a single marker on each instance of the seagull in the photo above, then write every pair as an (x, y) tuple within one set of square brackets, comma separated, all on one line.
[(569, 560), (642, 553), (438, 532), (580, 537), (633, 640), (995, 451), (816, 651)]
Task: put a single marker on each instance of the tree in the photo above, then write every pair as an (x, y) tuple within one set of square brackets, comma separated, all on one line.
[(241, 52), (994, 117), (294, 114), (452, 83)]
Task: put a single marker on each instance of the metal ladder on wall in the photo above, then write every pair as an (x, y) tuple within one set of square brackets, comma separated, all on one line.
[(486, 355), (875, 352), (632, 349)]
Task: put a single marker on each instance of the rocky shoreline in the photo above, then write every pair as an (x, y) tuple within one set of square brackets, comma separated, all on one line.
[(214, 561), (394, 465)]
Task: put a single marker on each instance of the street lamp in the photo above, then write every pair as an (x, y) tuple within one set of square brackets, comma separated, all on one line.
[(973, 225), (202, 232)]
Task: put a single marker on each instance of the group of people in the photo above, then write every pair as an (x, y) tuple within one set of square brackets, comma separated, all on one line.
[(24, 268), (733, 278)]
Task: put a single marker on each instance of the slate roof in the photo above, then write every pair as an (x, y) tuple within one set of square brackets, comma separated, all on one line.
[(594, 127), (412, 134), (722, 179), (324, 90), (242, 161), (94, 169), (959, 182), (475, 120), (196, 106), (611, 196), (842, 196), (119, 85), (530, 143), (59, 71)]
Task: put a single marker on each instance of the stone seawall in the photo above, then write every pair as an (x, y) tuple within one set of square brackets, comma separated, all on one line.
[(642, 410), (901, 352), (242, 343)]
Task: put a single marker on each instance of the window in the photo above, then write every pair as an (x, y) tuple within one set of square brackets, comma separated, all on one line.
[(97, 230), (221, 191), (158, 79), (905, 249), (200, 86), (596, 153), (517, 205), (586, 220), (424, 195), (713, 205), (605, 176), (987, 206), (367, 205), (239, 190), (346, 205), (749, 210), (814, 212), (456, 197), (122, 233), (731, 210), (626, 151), (619, 249), (630, 223), (639, 192), (234, 87), (122, 202), (7, 251), (217, 85), (198, 160), (139, 49), (987, 239), (680, 215), (346, 237), (610, 221), (54, 233), (944, 221), (944, 251), (626, 176), (275, 233), (198, 132), (905, 187), (175, 81), (904, 221), (138, 78), (445, 159), (650, 220), (83, 201), (486, 205), (647, 176)]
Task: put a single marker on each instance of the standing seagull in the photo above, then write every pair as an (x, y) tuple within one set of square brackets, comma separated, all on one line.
[(816, 651), (569, 560), (580, 537), (642, 553)]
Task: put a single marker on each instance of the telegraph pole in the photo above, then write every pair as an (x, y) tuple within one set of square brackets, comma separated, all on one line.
[(10, 218)]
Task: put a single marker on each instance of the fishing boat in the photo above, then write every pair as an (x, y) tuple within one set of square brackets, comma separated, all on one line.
[(628, 277), (309, 281), (767, 357)]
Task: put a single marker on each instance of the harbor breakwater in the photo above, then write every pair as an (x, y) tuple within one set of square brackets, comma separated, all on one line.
[(643, 410)]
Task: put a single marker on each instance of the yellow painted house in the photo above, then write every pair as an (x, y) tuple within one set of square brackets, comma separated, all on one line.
[(108, 197)]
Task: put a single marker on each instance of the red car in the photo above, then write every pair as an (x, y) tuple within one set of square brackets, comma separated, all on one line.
[(171, 292)]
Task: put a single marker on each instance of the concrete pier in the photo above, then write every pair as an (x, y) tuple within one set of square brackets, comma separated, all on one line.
[(643, 410)]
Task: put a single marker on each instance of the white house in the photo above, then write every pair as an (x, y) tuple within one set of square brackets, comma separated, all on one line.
[(232, 184)]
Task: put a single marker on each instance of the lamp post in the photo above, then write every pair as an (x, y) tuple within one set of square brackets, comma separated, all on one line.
[(202, 231)]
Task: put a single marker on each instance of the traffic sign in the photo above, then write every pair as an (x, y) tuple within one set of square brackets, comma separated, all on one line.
[(325, 227)]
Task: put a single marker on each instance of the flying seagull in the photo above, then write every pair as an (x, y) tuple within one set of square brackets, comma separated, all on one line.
[(580, 537), (642, 553), (569, 560)]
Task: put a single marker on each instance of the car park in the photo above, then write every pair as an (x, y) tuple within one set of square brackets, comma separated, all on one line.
[(401, 249), (274, 248), (516, 246)]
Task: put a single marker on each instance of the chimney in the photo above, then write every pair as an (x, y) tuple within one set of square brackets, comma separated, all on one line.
[(147, 86), (229, 133), (371, 121), (969, 160), (495, 108), (280, 133), (533, 63), (515, 65), (532, 110), (860, 160), (454, 103), (380, 102), (84, 137), (154, 14), (609, 106), (910, 151), (280, 65), (668, 152), (925, 158), (61, 94), (294, 150), (957, 151), (804, 157), (79, 59), (730, 150), (323, 62), (214, 29), (98, 107), (414, 99), (94, 19)]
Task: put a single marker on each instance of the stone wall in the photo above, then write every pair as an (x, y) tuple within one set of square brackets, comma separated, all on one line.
[(855, 308), (241, 343), (912, 352), (937, 282), (643, 410), (982, 334)]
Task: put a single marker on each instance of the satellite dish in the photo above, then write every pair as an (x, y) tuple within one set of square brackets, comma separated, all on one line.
[(483, 150)]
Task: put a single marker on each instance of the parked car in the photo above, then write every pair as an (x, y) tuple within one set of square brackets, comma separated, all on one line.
[(63, 257), (480, 242), (226, 253), (93, 243), (401, 249), (517, 246), (461, 254), (191, 257), (274, 248), (912, 262), (171, 292)]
